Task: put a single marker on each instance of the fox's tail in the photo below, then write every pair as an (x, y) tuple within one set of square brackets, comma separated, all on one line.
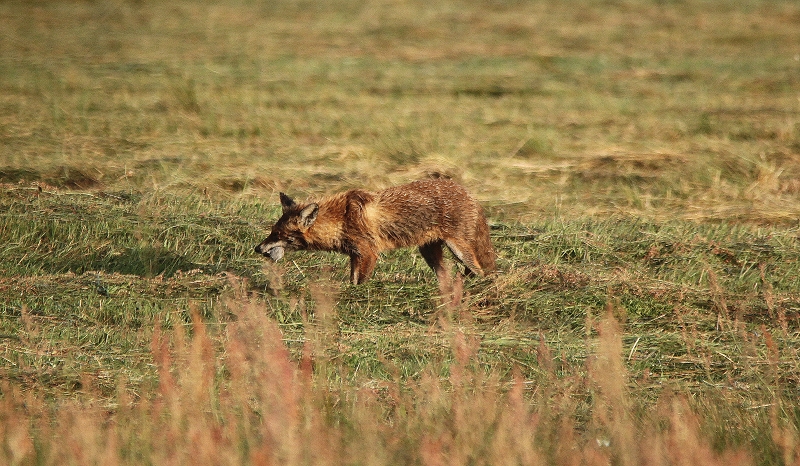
[(482, 246)]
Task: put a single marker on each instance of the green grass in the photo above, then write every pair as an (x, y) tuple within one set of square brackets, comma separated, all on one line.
[(696, 301), (636, 159)]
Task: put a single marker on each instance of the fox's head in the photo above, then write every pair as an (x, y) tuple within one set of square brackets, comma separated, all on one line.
[(289, 232)]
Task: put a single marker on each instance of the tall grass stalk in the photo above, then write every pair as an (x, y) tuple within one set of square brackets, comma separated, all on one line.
[(240, 396)]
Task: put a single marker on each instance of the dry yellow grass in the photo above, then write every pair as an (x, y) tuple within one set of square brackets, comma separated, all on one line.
[(665, 110)]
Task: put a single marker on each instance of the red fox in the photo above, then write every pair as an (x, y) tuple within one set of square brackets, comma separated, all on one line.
[(429, 213)]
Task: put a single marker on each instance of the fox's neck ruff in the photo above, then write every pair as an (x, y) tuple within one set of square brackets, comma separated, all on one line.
[(326, 232)]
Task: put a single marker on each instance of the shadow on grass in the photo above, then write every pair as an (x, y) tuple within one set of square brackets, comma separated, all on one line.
[(145, 262)]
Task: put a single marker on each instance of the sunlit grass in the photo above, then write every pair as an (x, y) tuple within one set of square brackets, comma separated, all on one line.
[(681, 110), (636, 159)]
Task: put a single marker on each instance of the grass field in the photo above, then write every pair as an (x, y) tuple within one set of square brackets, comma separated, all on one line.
[(639, 162)]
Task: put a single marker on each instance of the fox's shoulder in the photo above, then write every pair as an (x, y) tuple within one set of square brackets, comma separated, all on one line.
[(346, 205), (359, 197), (341, 201)]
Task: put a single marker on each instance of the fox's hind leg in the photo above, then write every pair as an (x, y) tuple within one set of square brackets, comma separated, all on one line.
[(466, 256), (482, 246), (432, 253), (451, 293)]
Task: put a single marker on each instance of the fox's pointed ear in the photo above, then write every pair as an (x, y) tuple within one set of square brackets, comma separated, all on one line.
[(309, 214), (286, 202)]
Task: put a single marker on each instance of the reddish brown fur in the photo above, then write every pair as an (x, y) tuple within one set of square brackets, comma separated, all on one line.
[(428, 213)]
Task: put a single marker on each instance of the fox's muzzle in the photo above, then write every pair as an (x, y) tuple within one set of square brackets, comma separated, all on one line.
[(272, 250)]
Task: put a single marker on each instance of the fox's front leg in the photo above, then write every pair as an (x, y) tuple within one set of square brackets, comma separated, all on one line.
[(361, 267)]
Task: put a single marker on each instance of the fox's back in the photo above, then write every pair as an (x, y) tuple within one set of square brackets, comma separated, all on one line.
[(423, 211)]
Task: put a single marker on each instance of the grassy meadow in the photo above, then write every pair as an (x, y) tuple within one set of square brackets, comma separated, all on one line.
[(639, 162)]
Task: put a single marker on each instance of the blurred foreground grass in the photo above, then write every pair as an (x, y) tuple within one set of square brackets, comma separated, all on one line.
[(639, 162)]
